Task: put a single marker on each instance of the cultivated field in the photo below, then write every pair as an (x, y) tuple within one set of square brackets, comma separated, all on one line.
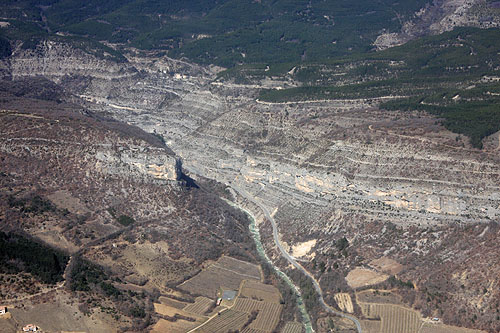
[(178, 326), (440, 328), (342, 325), (200, 306), (225, 322), (259, 291), (371, 326), (170, 311), (172, 302), (226, 273), (394, 318), (252, 330), (344, 302), (268, 313), (292, 327), (238, 266)]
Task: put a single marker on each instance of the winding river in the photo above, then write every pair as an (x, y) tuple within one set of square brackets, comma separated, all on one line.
[(254, 230), (256, 235)]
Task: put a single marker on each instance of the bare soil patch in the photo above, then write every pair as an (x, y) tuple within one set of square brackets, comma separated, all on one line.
[(58, 317), (301, 249), (170, 311), (172, 302), (361, 277), (7, 324), (386, 265), (64, 200)]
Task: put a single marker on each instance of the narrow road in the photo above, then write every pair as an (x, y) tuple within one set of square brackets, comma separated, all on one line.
[(292, 260)]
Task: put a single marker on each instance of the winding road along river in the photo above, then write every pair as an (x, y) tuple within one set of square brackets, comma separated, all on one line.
[(292, 261)]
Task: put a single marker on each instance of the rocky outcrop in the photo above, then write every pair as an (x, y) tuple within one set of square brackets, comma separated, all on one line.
[(441, 16), (55, 60), (138, 163)]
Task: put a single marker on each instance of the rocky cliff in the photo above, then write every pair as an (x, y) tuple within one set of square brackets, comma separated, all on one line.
[(324, 169)]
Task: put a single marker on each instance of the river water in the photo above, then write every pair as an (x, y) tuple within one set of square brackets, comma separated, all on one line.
[(254, 230)]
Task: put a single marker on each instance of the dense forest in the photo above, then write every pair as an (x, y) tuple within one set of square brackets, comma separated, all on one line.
[(326, 44), (222, 32), (21, 254)]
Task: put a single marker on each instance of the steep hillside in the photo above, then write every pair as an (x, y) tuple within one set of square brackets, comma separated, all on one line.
[(362, 169), (395, 184), (112, 200)]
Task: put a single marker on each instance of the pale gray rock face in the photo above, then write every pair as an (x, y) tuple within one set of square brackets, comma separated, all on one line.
[(142, 163), (138, 163), (55, 61), (315, 165), (441, 16)]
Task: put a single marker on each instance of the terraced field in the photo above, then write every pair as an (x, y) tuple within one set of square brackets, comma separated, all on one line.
[(268, 313), (394, 318), (239, 267), (227, 273), (200, 306), (292, 327), (252, 330), (440, 328), (344, 302), (225, 322), (179, 326), (263, 292)]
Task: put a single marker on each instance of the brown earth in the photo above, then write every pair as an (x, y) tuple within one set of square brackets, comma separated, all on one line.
[(362, 277)]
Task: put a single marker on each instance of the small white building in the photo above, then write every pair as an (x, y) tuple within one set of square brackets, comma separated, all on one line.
[(3, 310)]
